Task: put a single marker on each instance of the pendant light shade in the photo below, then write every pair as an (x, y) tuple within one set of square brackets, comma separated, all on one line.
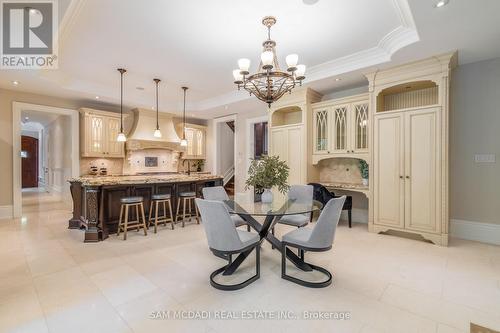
[(184, 142), (121, 136), (157, 132)]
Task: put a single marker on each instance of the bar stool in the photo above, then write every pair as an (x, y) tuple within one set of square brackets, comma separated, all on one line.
[(188, 199), (157, 200), (123, 224)]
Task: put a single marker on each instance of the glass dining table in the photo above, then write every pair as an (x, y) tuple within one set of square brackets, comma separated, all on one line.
[(272, 212)]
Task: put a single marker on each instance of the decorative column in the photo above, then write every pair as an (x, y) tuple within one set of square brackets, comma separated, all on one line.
[(92, 233)]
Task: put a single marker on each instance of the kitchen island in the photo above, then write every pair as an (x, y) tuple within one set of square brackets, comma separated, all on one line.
[(96, 199)]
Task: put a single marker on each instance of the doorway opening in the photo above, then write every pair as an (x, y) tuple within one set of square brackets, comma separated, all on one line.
[(225, 129), (257, 143), (45, 157)]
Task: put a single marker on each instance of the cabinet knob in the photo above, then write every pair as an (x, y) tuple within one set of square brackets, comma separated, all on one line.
[(400, 177), (407, 177)]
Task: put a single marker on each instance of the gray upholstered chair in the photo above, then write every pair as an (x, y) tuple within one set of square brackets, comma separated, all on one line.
[(317, 239), (218, 193), (301, 194), (224, 240)]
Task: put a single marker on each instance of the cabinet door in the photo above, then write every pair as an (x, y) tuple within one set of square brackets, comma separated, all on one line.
[(340, 129), (359, 127), (199, 139), (321, 131), (278, 142), (114, 148), (388, 170), (96, 144), (295, 155), (190, 149), (421, 170)]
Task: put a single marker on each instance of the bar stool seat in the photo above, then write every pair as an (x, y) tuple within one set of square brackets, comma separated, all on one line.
[(160, 201), (188, 199), (187, 194), (160, 196), (124, 224), (131, 200)]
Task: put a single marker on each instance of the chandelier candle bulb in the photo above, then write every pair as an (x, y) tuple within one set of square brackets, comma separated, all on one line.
[(300, 72), (238, 77), (267, 58), (291, 61), (244, 65)]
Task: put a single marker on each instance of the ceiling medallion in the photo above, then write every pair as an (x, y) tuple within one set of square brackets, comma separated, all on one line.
[(269, 83)]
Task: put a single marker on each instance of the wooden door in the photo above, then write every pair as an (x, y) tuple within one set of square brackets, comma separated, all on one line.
[(388, 170), (295, 155), (29, 164), (421, 170)]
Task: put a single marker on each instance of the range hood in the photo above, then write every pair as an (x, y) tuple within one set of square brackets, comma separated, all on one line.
[(141, 135)]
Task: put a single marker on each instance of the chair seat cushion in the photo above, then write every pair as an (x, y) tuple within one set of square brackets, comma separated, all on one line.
[(248, 238), (187, 194), (131, 200), (238, 221), (160, 196), (296, 220), (299, 237)]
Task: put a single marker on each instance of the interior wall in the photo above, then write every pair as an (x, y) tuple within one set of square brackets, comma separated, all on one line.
[(226, 149), (58, 137), (474, 122)]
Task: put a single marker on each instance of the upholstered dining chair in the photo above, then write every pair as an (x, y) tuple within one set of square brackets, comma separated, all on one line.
[(218, 193), (322, 194), (317, 239), (301, 194), (224, 240)]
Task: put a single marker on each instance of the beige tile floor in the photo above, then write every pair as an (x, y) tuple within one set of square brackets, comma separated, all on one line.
[(50, 281)]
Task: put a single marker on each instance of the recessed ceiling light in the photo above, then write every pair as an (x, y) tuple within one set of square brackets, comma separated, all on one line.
[(338, 79), (139, 88), (15, 83), (441, 3), (97, 97), (310, 2), (26, 118), (226, 107)]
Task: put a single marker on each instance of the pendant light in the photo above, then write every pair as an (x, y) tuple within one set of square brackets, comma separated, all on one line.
[(157, 133), (121, 136), (184, 142)]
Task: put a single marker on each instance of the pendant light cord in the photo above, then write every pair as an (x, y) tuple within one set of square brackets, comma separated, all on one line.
[(157, 123), (184, 115), (121, 70)]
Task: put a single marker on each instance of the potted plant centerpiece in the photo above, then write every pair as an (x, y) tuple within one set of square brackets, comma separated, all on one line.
[(363, 168), (267, 172)]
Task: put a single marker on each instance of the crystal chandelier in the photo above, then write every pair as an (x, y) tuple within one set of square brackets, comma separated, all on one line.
[(269, 83)]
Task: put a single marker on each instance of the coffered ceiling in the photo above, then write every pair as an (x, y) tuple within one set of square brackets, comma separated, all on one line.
[(197, 43)]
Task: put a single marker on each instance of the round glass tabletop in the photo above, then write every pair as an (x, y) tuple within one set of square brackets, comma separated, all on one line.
[(277, 207)]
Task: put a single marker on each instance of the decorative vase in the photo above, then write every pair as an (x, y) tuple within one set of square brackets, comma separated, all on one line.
[(365, 181), (267, 196)]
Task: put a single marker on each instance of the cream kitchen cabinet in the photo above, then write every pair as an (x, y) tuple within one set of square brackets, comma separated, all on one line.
[(288, 144), (98, 133), (196, 138), (340, 128)]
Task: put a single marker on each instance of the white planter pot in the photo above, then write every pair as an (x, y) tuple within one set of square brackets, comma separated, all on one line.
[(365, 182), (267, 196)]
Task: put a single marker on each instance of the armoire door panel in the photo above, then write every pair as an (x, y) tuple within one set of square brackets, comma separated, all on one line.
[(421, 170), (278, 143), (388, 171)]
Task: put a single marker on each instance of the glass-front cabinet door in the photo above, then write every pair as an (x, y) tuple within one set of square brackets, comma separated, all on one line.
[(321, 131), (340, 128), (360, 117)]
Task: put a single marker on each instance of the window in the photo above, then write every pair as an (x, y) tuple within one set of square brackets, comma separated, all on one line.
[(260, 139)]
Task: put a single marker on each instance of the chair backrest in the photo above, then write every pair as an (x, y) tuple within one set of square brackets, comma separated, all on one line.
[(301, 193), (219, 228), (324, 231), (216, 193), (321, 193)]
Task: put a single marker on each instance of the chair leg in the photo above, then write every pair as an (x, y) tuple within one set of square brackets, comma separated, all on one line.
[(304, 283), (164, 204), (150, 213), (126, 223), (349, 218), (272, 232), (248, 228), (137, 217), (120, 221), (143, 220), (183, 212), (156, 217), (196, 212), (178, 208), (172, 219)]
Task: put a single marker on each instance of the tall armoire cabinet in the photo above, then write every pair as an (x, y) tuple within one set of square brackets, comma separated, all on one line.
[(290, 133), (409, 159)]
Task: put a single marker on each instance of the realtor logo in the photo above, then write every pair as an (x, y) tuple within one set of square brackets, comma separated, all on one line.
[(28, 34)]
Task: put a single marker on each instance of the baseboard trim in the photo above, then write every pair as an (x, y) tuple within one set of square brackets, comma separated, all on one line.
[(476, 231), (6, 212)]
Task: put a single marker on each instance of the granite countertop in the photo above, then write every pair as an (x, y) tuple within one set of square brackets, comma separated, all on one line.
[(347, 186), (141, 179)]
